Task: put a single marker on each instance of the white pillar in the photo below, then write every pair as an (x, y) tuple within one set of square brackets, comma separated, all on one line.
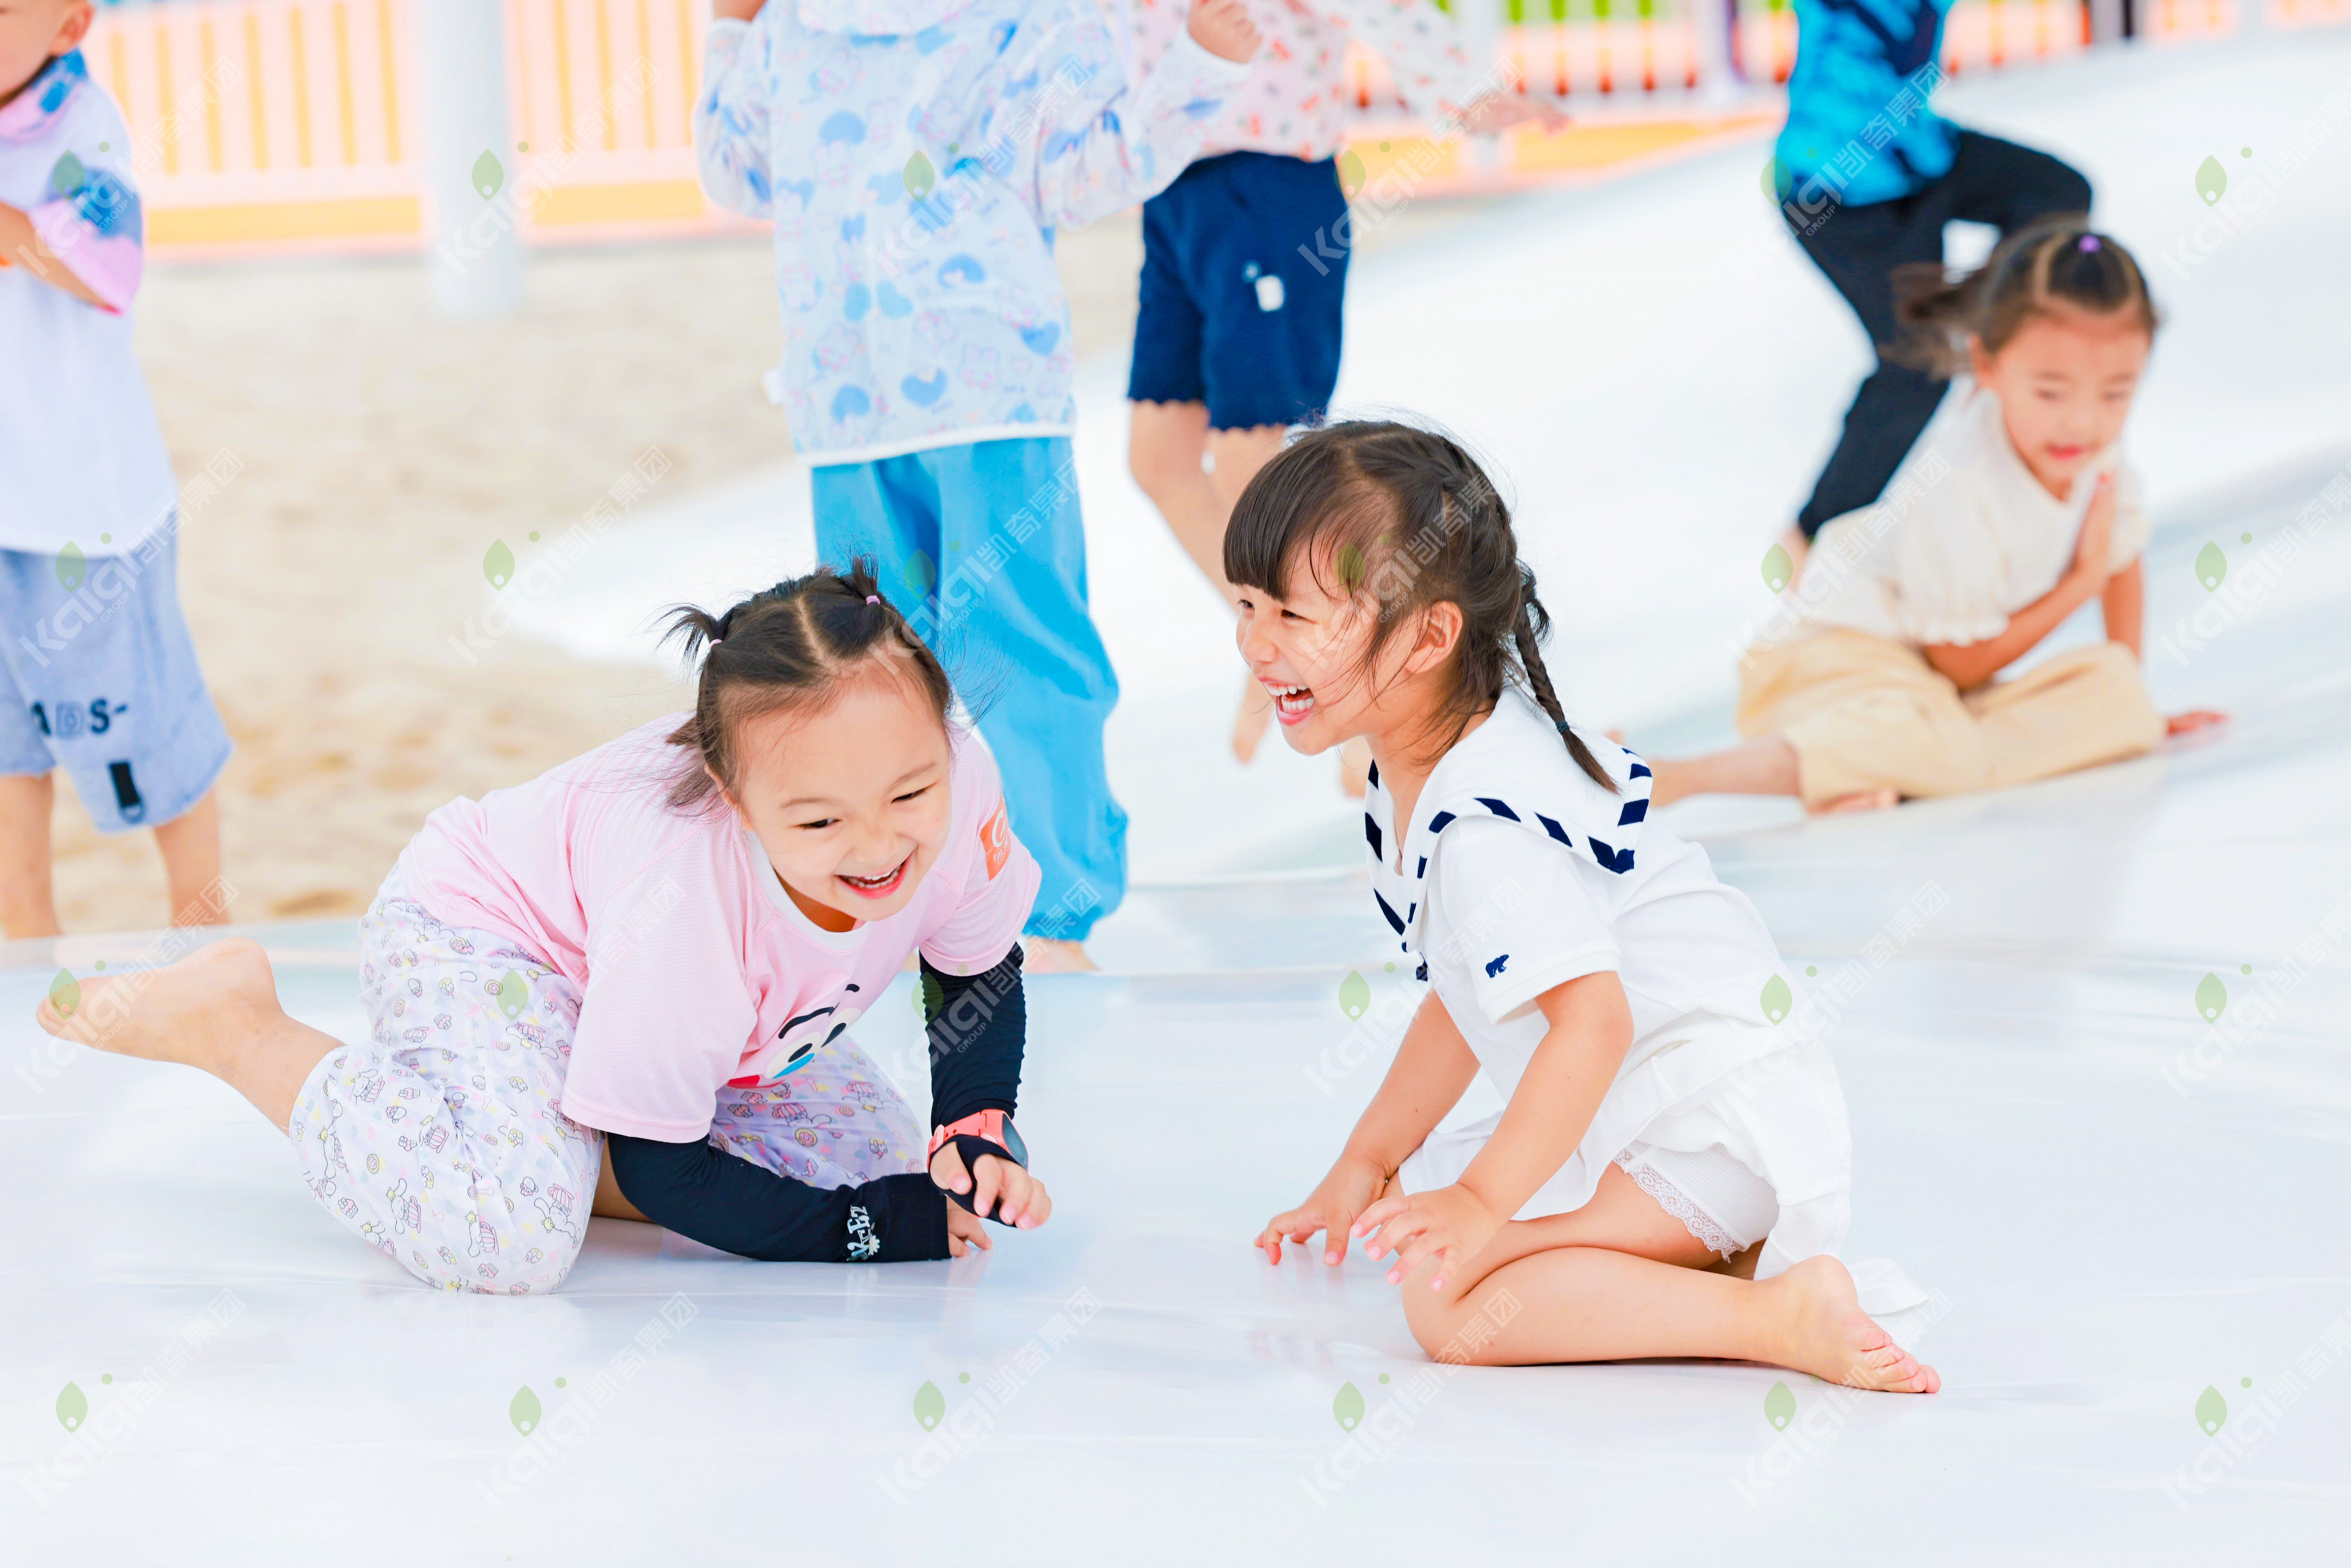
[(472, 248)]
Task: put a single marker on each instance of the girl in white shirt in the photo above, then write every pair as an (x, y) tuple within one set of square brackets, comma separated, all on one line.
[(2014, 509), (1671, 1175)]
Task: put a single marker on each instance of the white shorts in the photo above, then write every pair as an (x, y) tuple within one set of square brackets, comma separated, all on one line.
[(1703, 1165), (1717, 1199)]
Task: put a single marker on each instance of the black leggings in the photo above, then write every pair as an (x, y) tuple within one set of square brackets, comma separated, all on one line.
[(1989, 181)]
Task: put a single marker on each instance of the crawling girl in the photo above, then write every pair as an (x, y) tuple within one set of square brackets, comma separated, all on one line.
[(1670, 1176), (656, 951), (1881, 687)]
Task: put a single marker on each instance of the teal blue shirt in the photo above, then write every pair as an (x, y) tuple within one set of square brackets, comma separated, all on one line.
[(1858, 114)]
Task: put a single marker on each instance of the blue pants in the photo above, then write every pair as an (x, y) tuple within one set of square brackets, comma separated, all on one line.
[(982, 548)]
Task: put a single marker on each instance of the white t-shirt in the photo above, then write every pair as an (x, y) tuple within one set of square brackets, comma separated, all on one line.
[(1518, 873), (1511, 912), (1965, 538), (82, 460), (1688, 951)]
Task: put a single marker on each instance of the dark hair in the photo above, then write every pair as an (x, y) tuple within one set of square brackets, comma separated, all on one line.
[(790, 646), (1408, 520), (2057, 261)]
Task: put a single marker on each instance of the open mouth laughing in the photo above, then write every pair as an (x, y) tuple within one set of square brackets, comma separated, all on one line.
[(880, 886), (1291, 703)]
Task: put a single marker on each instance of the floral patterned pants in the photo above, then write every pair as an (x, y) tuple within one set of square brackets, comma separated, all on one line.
[(443, 1141)]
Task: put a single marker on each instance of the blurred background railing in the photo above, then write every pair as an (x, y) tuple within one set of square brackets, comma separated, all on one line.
[(292, 124)]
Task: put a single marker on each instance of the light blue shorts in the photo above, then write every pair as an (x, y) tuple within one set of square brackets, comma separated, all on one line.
[(105, 682)]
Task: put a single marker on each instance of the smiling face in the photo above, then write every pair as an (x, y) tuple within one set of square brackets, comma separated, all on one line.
[(849, 799), (2066, 380), (1310, 651), (32, 32)]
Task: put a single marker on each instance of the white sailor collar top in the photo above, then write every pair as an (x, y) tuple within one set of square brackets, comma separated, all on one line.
[(1514, 767)]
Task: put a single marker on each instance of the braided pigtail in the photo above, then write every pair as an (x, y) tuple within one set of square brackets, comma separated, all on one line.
[(1533, 623)]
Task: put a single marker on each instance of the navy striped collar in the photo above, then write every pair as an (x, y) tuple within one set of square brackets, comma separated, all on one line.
[(1516, 768)]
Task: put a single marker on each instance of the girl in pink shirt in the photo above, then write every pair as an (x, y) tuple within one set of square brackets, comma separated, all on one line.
[(658, 948)]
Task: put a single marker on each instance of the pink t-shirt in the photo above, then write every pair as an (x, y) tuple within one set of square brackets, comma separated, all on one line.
[(696, 969)]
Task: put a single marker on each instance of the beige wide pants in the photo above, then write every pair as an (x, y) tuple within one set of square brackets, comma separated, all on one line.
[(1865, 712)]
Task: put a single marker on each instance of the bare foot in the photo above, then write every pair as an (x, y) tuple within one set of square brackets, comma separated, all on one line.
[(1046, 956), (184, 1012), (1354, 767), (1860, 800), (1249, 723), (1828, 1334), (216, 1010)]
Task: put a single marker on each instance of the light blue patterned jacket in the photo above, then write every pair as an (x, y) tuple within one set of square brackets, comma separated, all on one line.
[(916, 156)]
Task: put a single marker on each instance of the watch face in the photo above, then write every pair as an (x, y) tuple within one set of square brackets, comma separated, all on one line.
[(1012, 1142)]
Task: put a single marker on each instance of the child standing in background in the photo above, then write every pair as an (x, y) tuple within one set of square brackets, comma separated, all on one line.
[(1884, 687), (1245, 262), (916, 156), (104, 676)]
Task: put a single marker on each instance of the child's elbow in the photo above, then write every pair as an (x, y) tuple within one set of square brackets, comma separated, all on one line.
[(739, 185)]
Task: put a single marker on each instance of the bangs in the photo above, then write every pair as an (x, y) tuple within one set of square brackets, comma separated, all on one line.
[(1313, 503)]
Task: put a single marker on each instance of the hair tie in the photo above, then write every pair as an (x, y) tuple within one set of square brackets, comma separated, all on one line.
[(1560, 727), (872, 599), (2087, 242)]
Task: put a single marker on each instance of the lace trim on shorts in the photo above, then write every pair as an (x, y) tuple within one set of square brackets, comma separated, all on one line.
[(1673, 1201)]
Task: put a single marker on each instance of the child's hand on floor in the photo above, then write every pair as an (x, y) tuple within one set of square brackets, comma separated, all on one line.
[(1223, 28), (965, 1232), (1350, 1188), (1025, 1203), (1448, 1224)]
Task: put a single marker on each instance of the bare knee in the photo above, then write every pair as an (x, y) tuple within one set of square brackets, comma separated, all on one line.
[(1434, 1318), (1438, 1319)]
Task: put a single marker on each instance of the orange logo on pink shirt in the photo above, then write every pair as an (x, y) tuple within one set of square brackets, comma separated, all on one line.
[(995, 838)]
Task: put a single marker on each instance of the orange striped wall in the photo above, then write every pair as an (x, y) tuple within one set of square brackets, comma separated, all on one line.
[(291, 124)]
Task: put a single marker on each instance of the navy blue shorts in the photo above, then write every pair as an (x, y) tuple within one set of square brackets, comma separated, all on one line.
[(104, 683), (1232, 314)]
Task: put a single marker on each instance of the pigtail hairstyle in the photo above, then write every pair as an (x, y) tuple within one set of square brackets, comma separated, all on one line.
[(789, 646), (1408, 520), (2055, 263)]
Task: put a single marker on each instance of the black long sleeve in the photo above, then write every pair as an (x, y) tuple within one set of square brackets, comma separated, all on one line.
[(979, 1028), (722, 1200)]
